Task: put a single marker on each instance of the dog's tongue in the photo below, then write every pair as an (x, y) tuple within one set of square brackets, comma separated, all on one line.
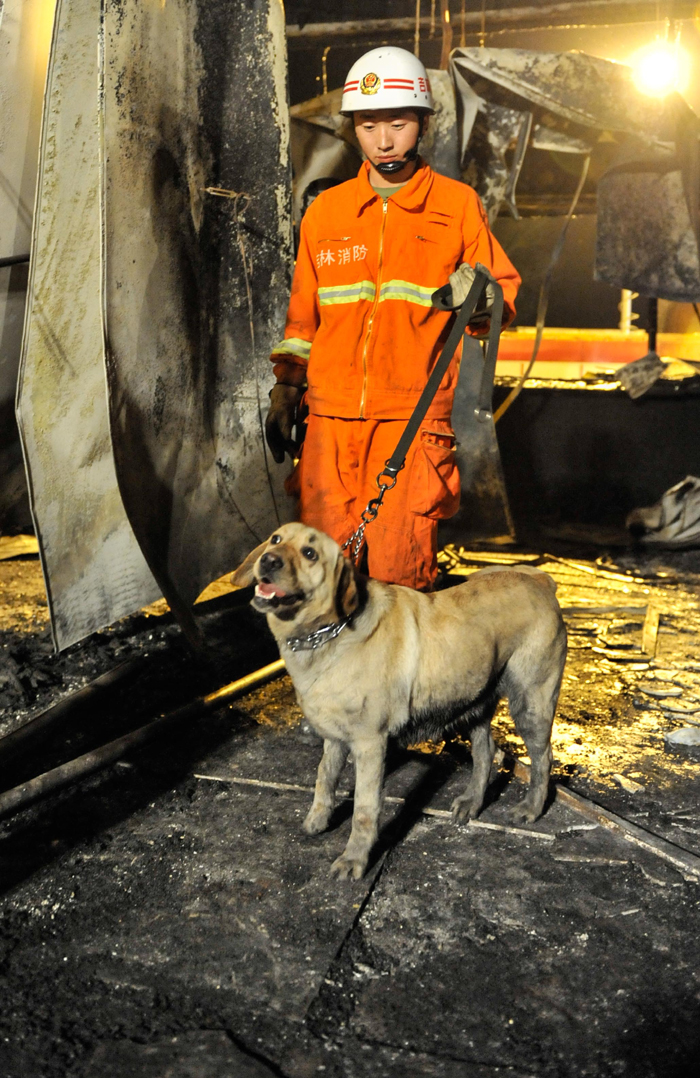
[(268, 590)]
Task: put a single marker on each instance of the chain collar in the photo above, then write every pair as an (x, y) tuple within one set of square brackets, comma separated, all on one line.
[(318, 637)]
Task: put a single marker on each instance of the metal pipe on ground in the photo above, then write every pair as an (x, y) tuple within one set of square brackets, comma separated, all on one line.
[(56, 717), (684, 860), (90, 762)]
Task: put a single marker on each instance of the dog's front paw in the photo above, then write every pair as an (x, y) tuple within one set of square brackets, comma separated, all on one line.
[(522, 813), (349, 868), (316, 821), (464, 808)]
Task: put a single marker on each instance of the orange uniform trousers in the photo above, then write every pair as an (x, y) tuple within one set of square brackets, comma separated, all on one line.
[(337, 475)]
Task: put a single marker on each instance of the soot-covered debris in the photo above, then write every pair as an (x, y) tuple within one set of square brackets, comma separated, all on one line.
[(169, 916)]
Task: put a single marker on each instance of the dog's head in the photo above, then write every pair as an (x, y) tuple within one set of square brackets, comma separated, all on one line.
[(301, 576)]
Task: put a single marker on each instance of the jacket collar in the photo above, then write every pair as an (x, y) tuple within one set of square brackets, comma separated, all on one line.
[(411, 196)]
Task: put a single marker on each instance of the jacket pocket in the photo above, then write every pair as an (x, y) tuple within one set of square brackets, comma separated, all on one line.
[(435, 481)]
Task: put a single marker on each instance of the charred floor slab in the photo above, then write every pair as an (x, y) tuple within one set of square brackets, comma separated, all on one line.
[(169, 917)]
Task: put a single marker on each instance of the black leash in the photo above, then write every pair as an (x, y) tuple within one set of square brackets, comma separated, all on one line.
[(386, 480)]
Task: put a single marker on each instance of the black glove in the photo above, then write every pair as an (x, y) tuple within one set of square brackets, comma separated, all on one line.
[(284, 402)]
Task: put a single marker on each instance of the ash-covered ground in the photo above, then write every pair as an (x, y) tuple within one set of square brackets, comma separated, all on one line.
[(168, 917)]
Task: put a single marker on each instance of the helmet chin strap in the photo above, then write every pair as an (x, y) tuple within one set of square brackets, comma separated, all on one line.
[(388, 168)]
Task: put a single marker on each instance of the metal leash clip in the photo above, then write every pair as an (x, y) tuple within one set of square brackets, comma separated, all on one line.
[(371, 512)]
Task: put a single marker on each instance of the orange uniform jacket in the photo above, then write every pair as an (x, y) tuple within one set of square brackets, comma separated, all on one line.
[(361, 329)]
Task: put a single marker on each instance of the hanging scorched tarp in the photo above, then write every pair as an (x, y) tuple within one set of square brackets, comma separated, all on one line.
[(192, 296), (25, 34), (197, 260), (94, 570)]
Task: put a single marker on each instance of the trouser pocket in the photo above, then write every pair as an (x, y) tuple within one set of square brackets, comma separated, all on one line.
[(435, 482)]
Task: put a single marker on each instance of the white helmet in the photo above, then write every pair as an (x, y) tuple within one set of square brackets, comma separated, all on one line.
[(387, 78)]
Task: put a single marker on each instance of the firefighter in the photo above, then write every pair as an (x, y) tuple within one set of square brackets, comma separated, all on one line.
[(362, 334)]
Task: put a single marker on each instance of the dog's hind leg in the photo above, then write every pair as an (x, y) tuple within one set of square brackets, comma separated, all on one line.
[(335, 753), (532, 709), (468, 805), (369, 758)]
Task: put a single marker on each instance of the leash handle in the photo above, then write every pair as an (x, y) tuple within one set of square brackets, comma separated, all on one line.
[(386, 479), (485, 410)]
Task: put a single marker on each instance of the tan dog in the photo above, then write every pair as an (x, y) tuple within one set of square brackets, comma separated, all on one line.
[(371, 661)]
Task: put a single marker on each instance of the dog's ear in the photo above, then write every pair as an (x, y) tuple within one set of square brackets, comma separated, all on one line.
[(347, 597), (243, 575)]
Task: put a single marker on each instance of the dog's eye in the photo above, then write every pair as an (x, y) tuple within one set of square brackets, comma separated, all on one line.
[(275, 540), (310, 553)]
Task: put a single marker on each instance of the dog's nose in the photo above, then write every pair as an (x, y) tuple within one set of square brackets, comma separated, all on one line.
[(269, 563)]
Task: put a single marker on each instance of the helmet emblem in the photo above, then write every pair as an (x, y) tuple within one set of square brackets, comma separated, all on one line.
[(370, 83)]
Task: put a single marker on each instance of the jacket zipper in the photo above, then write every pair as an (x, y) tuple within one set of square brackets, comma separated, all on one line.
[(374, 309)]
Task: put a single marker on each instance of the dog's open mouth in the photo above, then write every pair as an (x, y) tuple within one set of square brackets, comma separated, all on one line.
[(273, 595)]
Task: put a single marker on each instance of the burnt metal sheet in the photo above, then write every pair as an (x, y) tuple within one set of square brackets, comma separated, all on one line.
[(646, 240), (25, 36), (487, 132), (440, 147), (585, 90), (496, 131), (94, 570), (660, 191), (545, 137), (197, 261), (649, 217), (648, 200)]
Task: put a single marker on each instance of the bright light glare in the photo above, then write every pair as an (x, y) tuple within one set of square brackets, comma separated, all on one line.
[(660, 68)]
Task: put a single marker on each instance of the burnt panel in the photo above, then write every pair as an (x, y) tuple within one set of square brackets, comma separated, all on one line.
[(197, 256)]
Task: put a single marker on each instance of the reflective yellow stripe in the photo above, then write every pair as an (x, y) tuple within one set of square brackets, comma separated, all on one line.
[(406, 290), (353, 293), (346, 293), (293, 346)]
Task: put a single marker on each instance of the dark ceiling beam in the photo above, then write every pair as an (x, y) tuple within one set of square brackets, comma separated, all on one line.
[(588, 12)]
